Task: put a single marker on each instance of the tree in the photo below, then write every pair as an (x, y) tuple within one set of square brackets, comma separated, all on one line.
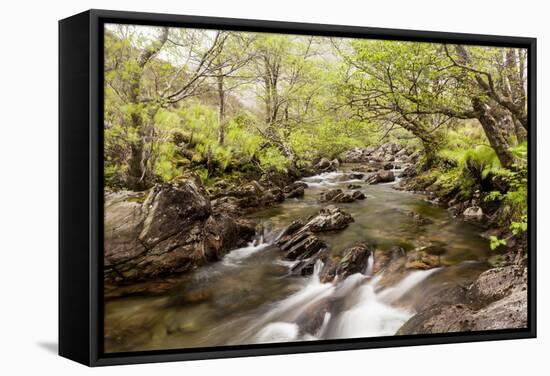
[(395, 84), (144, 84), (287, 83), (494, 81), (222, 101), (125, 77), (236, 53)]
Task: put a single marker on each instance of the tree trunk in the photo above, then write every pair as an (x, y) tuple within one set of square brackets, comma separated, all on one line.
[(431, 139), (221, 109), (492, 124), (139, 177), (521, 132), (431, 145), (141, 161)]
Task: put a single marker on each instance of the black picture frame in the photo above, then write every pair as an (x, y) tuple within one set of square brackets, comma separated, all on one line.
[(81, 186)]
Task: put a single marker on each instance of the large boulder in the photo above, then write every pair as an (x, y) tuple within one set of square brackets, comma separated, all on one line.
[(330, 218), (497, 283), (255, 194), (124, 215), (170, 230), (496, 300), (227, 204), (173, 206), (382, 176)]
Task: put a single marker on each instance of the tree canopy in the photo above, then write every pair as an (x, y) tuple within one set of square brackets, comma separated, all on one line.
[(224, 102)]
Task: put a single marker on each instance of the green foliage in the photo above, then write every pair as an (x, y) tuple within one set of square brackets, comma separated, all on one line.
[(328, 139), (272, 157), (242, 137), (203, 174), (520, 226), (466, 162), (496, 242), (514, 198), (290, 100), (167, 167)]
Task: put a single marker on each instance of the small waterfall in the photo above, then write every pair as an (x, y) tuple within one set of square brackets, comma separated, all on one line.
[(236, 256), (325, 179), (278, 322), (398, 172), (370, 317), (348, 285), (265, 233), (321, 332), (315, 278), (264, 238), (371, 313), (293, 306), (278, 332), (369, 271), (392, 294)]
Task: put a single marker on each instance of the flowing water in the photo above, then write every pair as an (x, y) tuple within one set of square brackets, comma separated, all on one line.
[(250, 296)]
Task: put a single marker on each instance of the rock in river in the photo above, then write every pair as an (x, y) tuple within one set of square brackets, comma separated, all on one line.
[(382, 176), (294, 190), (329, 195), (353, 260), (329, 218), (473, 212), (339, 196), (298, 240), (325, 165), (169, 229)]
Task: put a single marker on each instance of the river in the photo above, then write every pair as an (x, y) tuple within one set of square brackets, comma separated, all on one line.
[(250, 296)]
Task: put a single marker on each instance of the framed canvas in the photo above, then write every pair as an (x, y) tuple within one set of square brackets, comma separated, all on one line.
[(234, 187)]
